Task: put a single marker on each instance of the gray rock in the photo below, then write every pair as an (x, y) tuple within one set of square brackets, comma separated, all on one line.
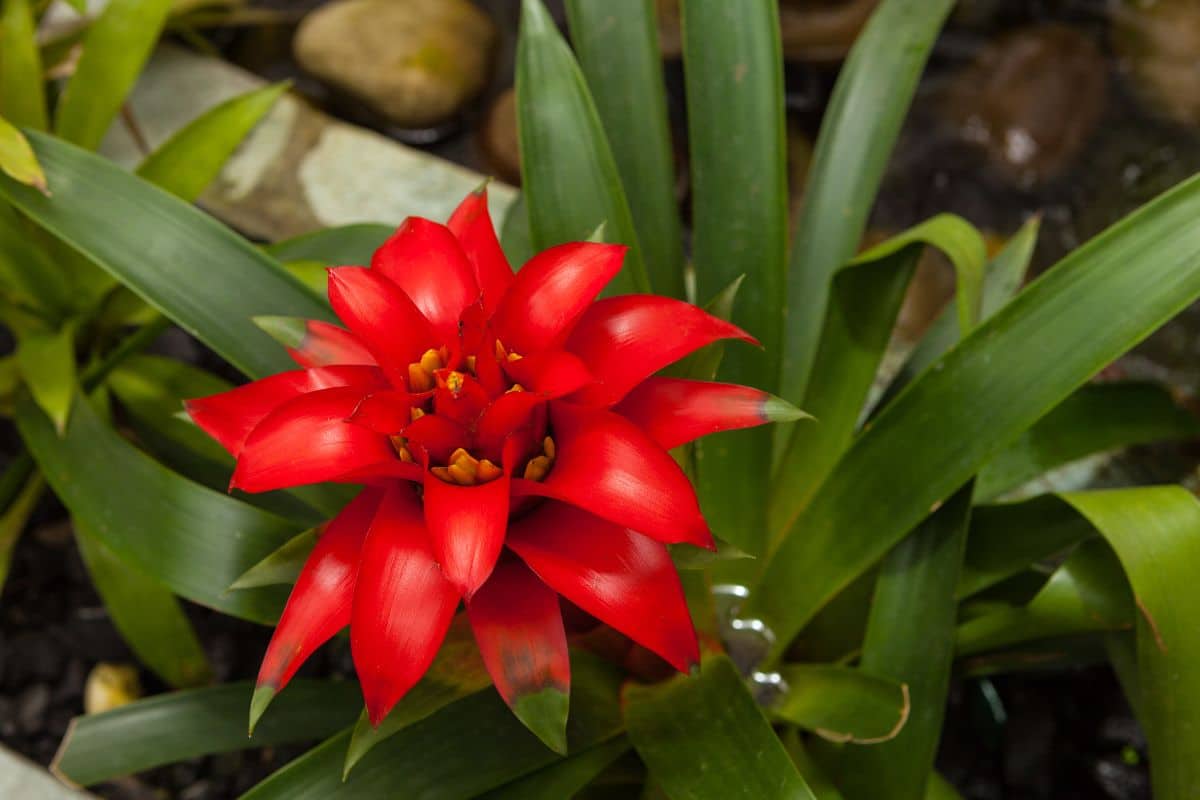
[(290, 176), (416, 62)]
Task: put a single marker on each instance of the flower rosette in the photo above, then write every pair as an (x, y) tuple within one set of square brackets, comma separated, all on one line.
[(511, 437)]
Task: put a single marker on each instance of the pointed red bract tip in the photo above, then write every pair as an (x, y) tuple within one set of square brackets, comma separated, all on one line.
[(402, 604)]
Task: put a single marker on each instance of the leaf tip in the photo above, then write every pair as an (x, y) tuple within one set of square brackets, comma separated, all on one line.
[(776, 409), (544, 713), (288, 331), (262, 697)]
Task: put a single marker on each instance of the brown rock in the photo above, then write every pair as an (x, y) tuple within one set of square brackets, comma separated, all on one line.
[(1031, 99), (499, 138), (415, 62), (1159, 44), (810, 30), (821, 30)]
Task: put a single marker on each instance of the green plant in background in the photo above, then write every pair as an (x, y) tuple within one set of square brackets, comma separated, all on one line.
[(75, 326), (882, 559)]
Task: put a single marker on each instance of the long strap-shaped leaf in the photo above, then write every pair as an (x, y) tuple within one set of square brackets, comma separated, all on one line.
[(177, 258), (343, 245), (910, 638), (866, 299), (22, 89), (1156, 534), (182, 725), (1096, 418), (734, 77), (617, 44), (1006, 538), (564, 778), (465, 749), (1091, 307), (187, 162), (704, 738), (873, 92), (146, 614), (114, 51), (843, 704), (196, 541), (568, 174), (1087, 593)]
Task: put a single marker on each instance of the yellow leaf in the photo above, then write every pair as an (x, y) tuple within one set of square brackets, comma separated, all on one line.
[(17, 159)]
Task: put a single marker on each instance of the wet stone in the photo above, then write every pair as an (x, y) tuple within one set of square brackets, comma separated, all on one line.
[(415, 62), (499, 138), (821, 30), (1010, 101), (1159, 45)]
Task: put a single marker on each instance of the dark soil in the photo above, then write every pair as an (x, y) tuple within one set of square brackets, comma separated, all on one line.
[(54, 629)]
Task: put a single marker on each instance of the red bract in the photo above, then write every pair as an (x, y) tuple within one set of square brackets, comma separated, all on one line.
[(512, 442)]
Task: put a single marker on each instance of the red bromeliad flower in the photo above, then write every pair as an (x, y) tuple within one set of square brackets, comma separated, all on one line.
[(513, 447)]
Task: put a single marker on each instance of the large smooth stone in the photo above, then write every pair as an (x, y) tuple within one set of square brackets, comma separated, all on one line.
[(1159, 45), (415, 62), (1031, 99)]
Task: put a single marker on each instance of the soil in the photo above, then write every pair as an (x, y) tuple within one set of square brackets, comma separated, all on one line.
[(54, 629)]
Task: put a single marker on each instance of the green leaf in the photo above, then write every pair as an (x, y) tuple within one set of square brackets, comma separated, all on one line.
[(347, 244), (152, 390), (910, 638), (192, 539), (939, 788), (996, 383), (544, 713), (193, 157), (456, 672), (288, 331), (1156, 534), (864, 304), (734, 80), (1096, 418), (183, 725), (17, 159), (515, 236), (818, 780), (687, 556), (874, 89), (313, 274), (16, 514), (181, 261), (1086, 594), (703, 364), (47, 363), (22, 87), (1002, 279), (280, 567), (147, 616), (465, 749), (564, 778), (1005, 539), (115, 49), (27, 270), (843, 704), (617, 46), (568, 174), (705, 737)]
